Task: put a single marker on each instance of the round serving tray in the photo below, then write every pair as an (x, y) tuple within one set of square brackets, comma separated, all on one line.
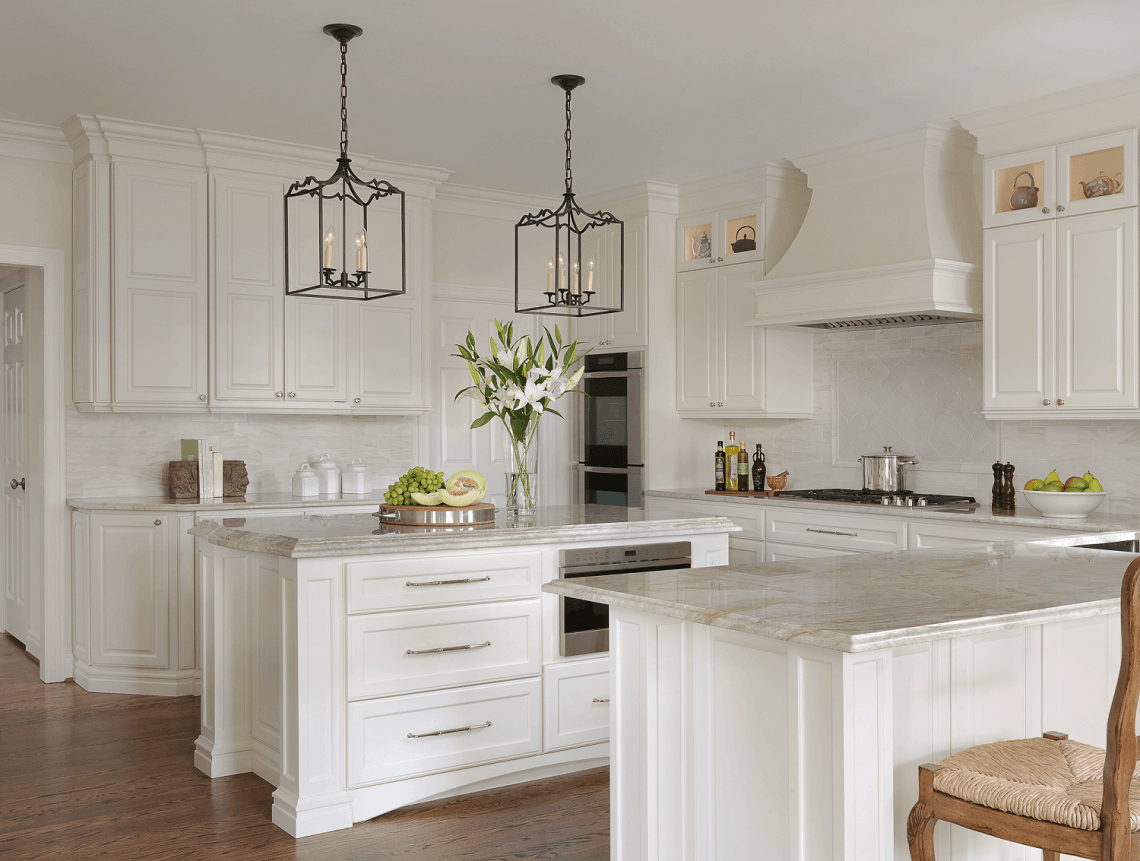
[(479, 514)]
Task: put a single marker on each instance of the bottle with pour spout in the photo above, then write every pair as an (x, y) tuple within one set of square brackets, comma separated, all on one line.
[(718, 466), (759, 469), (732, 461)]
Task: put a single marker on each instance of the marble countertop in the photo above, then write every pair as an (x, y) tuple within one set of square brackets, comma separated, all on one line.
[(1025, 515), (871, 601), (250, 500), (359, 534)]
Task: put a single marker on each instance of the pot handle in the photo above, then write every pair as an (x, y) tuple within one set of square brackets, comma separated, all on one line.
[(749, 227), (1119, 182), (909, 460), (1020, 175)]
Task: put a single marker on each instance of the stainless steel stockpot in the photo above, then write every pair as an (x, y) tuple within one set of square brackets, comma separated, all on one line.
[(886, 472)]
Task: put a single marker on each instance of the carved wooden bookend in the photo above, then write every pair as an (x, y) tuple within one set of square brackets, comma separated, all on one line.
[(183, 479)]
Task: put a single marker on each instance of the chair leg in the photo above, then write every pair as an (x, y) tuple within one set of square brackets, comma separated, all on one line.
[(920, 833)]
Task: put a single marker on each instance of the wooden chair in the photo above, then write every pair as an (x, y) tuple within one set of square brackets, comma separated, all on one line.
[(1045, 792)]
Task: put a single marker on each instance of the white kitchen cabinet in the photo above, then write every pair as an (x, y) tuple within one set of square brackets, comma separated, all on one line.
[(134, 602), (630, 327), (1062, 334), (1057, 172), (576, 703), (158, 293), (387, 371), (745, 547), (922, 534), (710, 239), (727, 369), (774, 552)]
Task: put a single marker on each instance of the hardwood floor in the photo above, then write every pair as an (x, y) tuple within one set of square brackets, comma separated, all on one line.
[(87, 776)]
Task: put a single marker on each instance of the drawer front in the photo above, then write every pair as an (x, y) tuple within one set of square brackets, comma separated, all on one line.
[(745, 551), (393, 653), (785, 552), (921, 534), (746, 514), (382, 742), (404, 581), (576, 703), (874, 534)]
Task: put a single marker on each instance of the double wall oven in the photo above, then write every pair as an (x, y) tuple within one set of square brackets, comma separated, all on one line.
[(608, 434)]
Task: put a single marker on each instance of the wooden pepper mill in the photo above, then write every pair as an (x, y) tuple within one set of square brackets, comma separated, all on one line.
[(1008, 494), (996, 494)]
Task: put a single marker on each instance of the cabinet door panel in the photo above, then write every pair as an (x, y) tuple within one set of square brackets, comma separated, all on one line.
[(631, 326), (316, 360), (249, 300), (1019, 305), (386, 355), (697, 350), (1097, 311), (742, 354), (159, 294)]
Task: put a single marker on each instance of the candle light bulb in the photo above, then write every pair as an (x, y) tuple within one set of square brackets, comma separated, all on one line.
[(329, 237), (362, 251), (561, 274), (576, 287), (590, 278), (550, 277)]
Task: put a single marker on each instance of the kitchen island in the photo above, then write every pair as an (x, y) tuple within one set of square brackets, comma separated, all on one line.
[(360, 667), (782, 710)]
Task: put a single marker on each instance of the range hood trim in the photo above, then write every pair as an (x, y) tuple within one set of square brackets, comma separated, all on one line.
[(939, 288)]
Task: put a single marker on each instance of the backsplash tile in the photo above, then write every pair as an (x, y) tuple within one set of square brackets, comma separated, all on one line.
[(127, 453), (919, 390)]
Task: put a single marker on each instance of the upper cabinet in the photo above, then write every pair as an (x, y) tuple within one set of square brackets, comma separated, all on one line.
[(159, 328), (1075, 178), (720, 238), (629, 327)]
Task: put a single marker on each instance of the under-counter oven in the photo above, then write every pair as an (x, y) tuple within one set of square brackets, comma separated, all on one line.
[(584, 626), (608, 436)]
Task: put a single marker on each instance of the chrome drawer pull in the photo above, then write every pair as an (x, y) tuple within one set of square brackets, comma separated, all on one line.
[(451, 582), (449, 648), (832, 532), (606, 700), (447, 731)]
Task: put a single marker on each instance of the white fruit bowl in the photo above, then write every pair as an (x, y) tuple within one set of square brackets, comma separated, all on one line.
[(1074, 506)]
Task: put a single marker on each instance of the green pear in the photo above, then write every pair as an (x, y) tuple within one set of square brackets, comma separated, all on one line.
[(1034, 484), (1052, 487), (1088, 476), (1075, 482), (1095, 487), (1051, 477)]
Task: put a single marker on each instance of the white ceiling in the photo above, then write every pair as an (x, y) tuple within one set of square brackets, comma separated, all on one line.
[(675, 91)]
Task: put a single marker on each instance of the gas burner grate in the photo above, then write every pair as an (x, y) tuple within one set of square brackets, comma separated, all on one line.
[(899, 499)]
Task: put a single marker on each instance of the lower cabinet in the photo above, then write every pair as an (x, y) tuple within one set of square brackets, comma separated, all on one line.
[(576, 703), (922, 534), (775, 552)]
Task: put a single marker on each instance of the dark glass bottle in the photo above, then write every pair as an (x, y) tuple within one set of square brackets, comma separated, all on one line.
[(720, 465), (759, 469), (742, 468)]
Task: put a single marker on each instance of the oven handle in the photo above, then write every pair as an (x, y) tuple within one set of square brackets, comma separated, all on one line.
[(627, 568), (610, 470), (609, 375)]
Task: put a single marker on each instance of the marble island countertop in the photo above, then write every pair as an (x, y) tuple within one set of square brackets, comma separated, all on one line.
[(299, 536), (1024, 515), (250, 500), (870, 601)]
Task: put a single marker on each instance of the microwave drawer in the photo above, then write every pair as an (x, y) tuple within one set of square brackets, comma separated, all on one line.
[(417, 650), (403, 581), (398, 737), (874, 534)]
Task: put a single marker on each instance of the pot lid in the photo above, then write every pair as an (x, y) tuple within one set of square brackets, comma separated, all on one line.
[(888, 454)]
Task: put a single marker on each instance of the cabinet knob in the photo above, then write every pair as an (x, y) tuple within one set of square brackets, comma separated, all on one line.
[(1060, 402), (1060, 207), (158, 523), (292, 394), (201, 397), (1046, 402), (1045, 210), (719, 404), (712, 403), (280, 394), (356, 400), (19, 483)]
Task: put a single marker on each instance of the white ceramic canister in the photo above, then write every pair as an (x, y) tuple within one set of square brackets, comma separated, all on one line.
[(305, 482), (356, 478), (328, 474)]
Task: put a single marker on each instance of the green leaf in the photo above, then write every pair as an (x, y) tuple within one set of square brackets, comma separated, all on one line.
[(482, 420), (518, 426), (554, 411)]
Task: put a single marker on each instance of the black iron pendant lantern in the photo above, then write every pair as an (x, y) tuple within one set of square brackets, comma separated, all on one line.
[(571, 283), (336, 209)]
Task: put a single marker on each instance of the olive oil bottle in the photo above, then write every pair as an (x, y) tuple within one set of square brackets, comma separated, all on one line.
[(719, 461), (742, 467), (759, 469), (732, 450)]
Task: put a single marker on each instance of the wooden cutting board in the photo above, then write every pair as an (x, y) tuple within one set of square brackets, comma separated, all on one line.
[(478, 506)]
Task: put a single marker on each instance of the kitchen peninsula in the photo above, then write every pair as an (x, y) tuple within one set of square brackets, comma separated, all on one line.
[(361, 667), (782, 710)]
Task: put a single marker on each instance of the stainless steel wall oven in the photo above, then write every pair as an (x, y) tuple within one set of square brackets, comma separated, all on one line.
[(608, 436)]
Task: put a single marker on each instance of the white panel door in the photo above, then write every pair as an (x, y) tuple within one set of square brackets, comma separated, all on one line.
[(1097, 318), (742, 348), (631, 326), (248, 307), (697, 350), (316, 361), (1019, 313), (17, 576), (385, 364), (159, 288)]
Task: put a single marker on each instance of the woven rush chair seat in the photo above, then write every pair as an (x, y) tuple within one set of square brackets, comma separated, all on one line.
[(1053, 781)]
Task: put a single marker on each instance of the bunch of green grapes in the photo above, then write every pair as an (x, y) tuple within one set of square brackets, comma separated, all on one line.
[(416, 480)]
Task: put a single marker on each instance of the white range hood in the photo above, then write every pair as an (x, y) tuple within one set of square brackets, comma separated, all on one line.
[(893, 237)]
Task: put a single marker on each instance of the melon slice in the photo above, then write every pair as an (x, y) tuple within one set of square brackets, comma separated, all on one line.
[(460, 496), (464, 481), (426, 498)]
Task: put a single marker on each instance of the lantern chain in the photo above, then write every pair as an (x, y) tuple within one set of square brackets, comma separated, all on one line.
[(569, 175), (344, 98)]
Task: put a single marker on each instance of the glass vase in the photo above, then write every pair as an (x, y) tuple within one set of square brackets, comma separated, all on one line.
[(520, 461)]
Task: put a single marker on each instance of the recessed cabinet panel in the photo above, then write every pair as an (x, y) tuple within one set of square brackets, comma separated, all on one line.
[(161, 331), (1097, 310), (697, 342), (1097, 174), (741, 234), (1018, 265), (161, 218), (385, 359), (316, 360), (741, 354)]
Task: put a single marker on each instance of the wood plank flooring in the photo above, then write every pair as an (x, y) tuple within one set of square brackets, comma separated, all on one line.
[(86, 776)]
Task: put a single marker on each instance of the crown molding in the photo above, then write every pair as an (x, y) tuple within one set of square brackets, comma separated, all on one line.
[(33, 141), (487, 202)]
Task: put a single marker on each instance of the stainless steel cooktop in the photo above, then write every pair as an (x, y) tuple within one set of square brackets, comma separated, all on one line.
[(896, 499)]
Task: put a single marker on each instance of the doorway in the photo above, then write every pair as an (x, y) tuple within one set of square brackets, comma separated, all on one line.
[(13, 420), (47, 606)]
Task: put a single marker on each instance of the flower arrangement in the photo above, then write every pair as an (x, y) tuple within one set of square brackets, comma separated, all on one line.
[(517, 383)]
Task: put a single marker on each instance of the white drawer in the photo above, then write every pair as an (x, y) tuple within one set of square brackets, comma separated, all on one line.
[(925, 533), (391, 653), (824, 529), (576, 703), (745, 551), (404, 581), (381, 745), (746, 514), (784, 552)]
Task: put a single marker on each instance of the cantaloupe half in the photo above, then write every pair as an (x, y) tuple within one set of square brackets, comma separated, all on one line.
[(465, 487)]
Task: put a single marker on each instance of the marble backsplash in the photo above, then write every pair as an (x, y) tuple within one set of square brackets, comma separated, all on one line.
[(919, 390), (127, 453)]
